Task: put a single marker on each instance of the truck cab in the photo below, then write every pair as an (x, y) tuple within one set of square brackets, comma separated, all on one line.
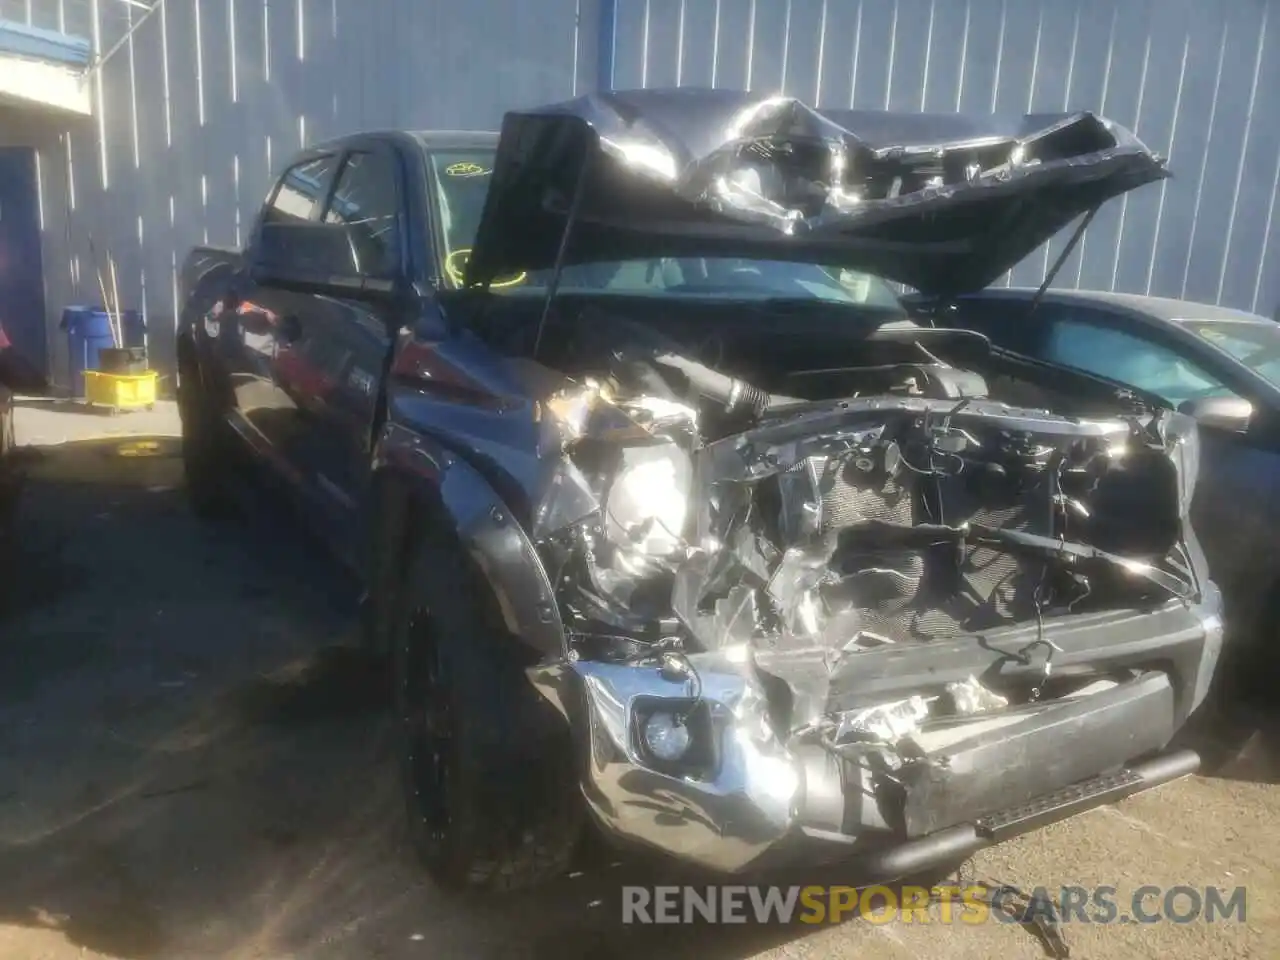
[(299, 372)]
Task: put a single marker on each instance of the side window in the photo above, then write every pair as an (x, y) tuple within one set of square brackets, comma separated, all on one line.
[(1130, 359), (646, 276), (300, 191), (367, 201)]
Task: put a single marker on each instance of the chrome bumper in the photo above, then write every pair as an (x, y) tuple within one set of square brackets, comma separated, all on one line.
[(743, 798), (723, 812)]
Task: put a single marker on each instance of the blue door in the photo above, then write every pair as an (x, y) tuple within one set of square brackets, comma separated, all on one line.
[(21, 267)]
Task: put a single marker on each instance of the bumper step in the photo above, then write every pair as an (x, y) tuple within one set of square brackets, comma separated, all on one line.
[(1058, 746), (955, 844), (1058, 805)]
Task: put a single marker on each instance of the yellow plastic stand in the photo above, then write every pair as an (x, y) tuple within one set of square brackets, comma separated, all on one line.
[(120, 391)]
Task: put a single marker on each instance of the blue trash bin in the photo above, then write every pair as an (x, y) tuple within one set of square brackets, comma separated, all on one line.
[(88, 331)]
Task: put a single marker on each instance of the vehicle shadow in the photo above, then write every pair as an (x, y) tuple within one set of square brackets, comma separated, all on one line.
[(1240, 743), (196, 761), (1236, 730)]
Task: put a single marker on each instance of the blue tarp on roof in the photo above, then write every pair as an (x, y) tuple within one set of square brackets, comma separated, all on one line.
[(24, 41)]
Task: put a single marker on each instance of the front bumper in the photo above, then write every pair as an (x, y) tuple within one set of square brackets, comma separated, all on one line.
[(745, 798)]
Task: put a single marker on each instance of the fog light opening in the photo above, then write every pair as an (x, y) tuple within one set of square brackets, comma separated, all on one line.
[(666, 736)]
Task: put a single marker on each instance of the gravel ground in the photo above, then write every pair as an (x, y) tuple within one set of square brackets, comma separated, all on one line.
[(193, 765)]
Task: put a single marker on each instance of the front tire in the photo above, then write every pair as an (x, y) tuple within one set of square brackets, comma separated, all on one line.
[(204, 451), (486, 769)]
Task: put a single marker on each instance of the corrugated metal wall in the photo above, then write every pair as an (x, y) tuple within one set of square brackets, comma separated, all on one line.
[(210, 96), (1198, 80)]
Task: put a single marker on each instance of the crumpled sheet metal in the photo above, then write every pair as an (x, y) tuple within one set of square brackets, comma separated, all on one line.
[(588, 411), (943, 203), (858, 155), (777, 446), (733, 588), (896, 723), (718, 588)]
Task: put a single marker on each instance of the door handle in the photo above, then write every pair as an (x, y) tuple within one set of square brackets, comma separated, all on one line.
[(289, 329)]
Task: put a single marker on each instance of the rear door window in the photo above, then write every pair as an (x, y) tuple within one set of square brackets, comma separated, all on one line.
[(301, 191)]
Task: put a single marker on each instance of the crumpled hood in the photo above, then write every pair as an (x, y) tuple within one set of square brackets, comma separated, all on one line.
[(943, 203)]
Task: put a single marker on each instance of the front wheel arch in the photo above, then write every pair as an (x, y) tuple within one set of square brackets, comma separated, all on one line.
[(421, 486)]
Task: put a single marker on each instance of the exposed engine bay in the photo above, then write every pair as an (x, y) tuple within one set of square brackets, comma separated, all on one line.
[(710, 513), (833, 601)]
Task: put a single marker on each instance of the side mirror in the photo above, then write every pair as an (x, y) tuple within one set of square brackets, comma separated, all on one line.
[(323, 258), (1224, 413)]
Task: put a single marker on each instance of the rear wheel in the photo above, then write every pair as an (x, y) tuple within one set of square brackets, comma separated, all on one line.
[(486, 768), (7, 442), (204, 449), (9, 478)]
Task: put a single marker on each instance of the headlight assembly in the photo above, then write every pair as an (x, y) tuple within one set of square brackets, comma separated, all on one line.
[(646, 505)]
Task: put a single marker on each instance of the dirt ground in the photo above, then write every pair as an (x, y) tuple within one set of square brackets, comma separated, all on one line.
[(193, 765)]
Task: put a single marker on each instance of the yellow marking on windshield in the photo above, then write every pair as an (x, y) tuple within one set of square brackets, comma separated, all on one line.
[(456, 262), (466, 168)]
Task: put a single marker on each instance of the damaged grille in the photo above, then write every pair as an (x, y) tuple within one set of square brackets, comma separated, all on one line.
[(857, 492), (889, 534), (884, 520), (881, 589), (932, 592), (995, 585)]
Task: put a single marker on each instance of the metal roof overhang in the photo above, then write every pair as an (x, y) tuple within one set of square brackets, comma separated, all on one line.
[(42, 71), (21, 40)]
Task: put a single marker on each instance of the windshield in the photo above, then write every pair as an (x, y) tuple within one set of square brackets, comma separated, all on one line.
[(1255, 344), (462, 180)]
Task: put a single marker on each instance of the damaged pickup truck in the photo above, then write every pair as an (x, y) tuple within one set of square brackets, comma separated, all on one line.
[(673, 520)]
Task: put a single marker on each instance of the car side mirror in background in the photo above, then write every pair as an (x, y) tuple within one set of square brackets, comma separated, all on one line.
[(1223, 413)]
